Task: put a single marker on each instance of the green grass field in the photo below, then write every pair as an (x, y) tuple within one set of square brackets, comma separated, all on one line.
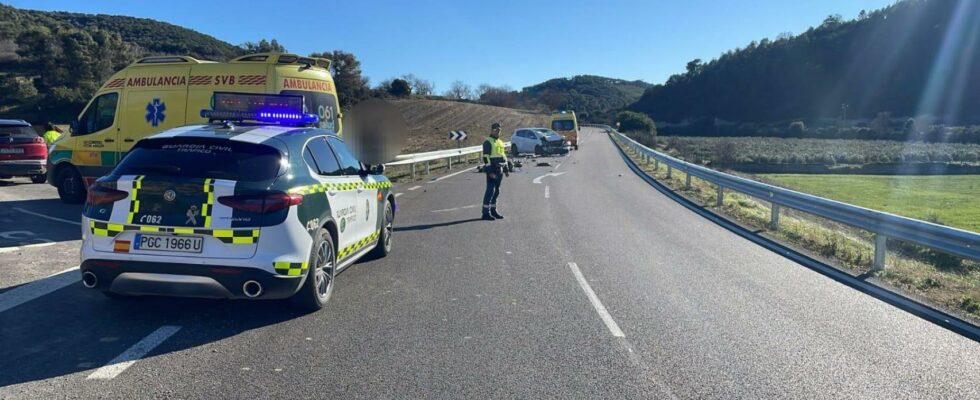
[(953, 200)]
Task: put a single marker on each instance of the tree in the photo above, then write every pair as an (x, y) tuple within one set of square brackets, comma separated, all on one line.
[(554, 100), (346, 69), (694, 66), (501, 96), (264, 46), (400, 88), (638, 125), (459, 90), (420, 87)]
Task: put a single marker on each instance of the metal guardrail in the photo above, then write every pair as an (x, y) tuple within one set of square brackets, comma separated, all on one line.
[(884, 225), (427, 157)]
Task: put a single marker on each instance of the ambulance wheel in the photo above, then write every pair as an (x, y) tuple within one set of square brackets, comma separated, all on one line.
[(39, 178), (383, 247), (319, 283), (71, 190)]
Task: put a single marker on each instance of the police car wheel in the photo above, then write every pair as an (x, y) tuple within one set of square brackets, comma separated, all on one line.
[(318, 286), (387, 228), (71, 190)]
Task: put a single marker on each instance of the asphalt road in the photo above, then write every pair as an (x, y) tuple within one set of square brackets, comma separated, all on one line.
[(594, 286)]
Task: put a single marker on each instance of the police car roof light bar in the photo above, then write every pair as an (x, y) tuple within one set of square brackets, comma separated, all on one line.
[(268, 108)]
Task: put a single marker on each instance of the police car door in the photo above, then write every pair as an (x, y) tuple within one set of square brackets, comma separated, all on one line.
[(367, 205), (340, 191)]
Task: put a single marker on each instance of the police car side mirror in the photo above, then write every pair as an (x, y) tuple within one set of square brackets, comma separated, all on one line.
[(379, 169)]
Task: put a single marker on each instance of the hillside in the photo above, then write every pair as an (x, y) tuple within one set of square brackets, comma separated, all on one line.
[(590, 96), (430, 121), (914, 58), (151, 36)]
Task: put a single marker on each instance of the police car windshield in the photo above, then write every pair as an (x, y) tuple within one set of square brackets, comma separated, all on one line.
[(199, 158)]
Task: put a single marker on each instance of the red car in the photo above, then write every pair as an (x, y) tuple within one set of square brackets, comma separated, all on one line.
[(22, 151)]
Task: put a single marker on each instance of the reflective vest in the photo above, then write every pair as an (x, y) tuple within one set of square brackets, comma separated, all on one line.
[(496, 151), (51, 136)]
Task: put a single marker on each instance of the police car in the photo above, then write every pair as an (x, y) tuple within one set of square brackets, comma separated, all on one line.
[(235, 209)]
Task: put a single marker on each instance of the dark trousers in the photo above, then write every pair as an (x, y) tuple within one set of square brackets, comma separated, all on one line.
[(493, 190)]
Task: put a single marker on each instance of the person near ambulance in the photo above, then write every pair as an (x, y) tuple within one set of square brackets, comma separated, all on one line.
[(51, 133), (496, 166)]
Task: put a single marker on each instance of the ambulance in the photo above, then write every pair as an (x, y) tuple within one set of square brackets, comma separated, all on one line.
[(565, 123), (163, 92)]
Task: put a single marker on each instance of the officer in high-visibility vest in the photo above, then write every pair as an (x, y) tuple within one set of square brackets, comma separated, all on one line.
[(495, 160), (51, 133)]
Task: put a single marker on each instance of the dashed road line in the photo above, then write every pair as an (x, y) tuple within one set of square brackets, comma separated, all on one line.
[(547, 192), (413, 188), (398, 194), (129, 357), (599, 308), (537, 180), (20, 295), (46, 216)]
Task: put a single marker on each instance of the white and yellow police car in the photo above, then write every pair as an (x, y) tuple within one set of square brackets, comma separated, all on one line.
[(236, 209)]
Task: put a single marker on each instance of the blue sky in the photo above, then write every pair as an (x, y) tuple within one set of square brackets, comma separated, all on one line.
[(514, 43)]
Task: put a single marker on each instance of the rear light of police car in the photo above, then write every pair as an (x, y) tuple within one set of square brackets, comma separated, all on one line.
[(98, 195), (261, 203)]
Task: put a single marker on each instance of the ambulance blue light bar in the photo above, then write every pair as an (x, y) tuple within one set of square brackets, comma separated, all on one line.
[(271, 108)]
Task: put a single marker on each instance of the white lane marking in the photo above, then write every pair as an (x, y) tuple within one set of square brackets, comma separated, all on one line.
[(48, 217), (398, 194), (29, 246), (20, 295), (599, 308), (414, 188), (452, 174), (547, 192), (456, 208), (129, 357), (538, 179), (558, 166)]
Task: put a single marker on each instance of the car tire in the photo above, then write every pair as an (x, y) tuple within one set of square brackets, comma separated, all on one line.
[(319, 282), (383, 247), (538, 150), (39, 178), (71, 190), (514, 151)]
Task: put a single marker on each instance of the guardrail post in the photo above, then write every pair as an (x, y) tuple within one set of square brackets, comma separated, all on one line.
[(427, 167), (881, 243), (413, 170), (774, 218), (656, 165), (720, 200), (670, 171), (687, 182), (450, 163)]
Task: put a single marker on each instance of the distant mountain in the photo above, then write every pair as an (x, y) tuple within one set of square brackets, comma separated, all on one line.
[(588, 95), (913, 58), (152, 37)]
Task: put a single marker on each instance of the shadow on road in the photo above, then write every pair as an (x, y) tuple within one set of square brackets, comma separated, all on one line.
[(23, 222), (76, 329), (423, 227)]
